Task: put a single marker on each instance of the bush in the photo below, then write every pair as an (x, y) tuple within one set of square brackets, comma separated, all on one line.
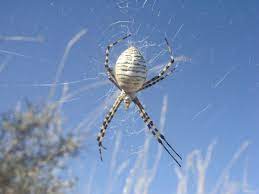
[(33, 147)]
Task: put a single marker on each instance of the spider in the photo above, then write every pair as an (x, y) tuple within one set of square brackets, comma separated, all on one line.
[(129, 76)]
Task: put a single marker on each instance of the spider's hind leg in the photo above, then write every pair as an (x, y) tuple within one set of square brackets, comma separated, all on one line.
[(106, 121), (160, 137)]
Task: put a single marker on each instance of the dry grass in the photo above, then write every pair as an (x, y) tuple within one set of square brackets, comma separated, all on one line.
[(193, 174)]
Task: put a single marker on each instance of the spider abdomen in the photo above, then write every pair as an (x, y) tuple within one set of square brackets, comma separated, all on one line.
[(130, 70)]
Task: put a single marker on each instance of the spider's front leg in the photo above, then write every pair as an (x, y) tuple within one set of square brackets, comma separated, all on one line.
[(160, 137), (107, 120), (163, 74), (110, 74)]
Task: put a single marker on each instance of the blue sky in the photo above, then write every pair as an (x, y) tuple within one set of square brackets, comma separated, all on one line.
[(213, 95)]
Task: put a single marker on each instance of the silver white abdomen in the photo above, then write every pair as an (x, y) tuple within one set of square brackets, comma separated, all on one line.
[(130, 70)]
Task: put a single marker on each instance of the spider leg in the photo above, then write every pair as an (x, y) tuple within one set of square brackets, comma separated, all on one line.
[(107, 120), (114, 81), (162, 75), (147, 85), (110, 74), (160, 137)]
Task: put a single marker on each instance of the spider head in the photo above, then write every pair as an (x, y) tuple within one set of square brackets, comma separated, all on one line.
[(127, 101)]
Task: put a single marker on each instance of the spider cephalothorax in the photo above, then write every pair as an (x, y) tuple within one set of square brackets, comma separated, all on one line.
[(127, 101), (129, 76)]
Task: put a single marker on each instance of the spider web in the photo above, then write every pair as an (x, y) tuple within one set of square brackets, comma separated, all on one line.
[(154, 51)]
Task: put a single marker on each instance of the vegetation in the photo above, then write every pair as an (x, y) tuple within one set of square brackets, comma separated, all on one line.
[(33, 148)]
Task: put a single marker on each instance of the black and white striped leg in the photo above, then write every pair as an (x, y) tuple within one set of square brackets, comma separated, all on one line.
[(106, 64), (162, 74), (106, 121), (160, 137), (157, 80), (113, 81)]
